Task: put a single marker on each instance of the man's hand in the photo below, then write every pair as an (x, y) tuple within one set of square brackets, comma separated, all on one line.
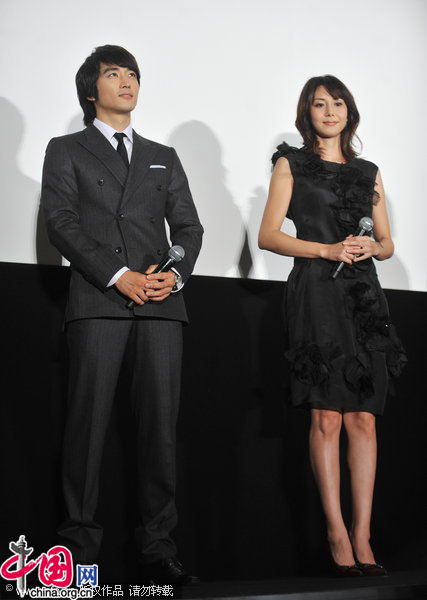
[(159, 285), (132, 284)]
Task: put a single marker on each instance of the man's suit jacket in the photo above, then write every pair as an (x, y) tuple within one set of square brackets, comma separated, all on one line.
[(102, 217)]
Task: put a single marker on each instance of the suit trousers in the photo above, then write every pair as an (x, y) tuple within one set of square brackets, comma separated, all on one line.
[(97, 348)]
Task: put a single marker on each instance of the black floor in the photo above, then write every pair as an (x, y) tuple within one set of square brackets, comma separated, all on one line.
[(398, 586), (404, 585)]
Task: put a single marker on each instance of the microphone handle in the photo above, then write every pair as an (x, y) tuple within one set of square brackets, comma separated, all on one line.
[(337, 270), (165, 265)]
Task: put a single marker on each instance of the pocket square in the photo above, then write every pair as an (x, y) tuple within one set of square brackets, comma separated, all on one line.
[(157, 167)]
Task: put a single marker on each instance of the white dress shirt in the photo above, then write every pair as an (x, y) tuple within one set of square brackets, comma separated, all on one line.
[(109, 133)]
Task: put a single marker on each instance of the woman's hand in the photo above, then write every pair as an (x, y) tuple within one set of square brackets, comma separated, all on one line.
[(338, 252), (360, 247)]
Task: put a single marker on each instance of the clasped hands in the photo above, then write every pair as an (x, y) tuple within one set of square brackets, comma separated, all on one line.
[(352, 249), (142, 287)]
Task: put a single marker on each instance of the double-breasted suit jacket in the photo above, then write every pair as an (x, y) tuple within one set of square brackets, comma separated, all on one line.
[(102, 217)]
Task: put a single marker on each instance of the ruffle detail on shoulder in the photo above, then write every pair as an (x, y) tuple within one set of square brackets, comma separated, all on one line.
[(311, 363), (374, 331), (354, 190), (284, 149)]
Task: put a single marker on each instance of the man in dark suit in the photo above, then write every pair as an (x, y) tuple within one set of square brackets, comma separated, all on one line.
[(106, 193)]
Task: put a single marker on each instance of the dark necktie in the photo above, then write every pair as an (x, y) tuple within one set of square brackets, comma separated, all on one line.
[(121, 148)]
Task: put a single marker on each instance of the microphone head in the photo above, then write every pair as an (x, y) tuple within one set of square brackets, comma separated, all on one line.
[(176, 253), (366, 223)]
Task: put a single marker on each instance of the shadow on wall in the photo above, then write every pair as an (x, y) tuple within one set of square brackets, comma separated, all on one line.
[(45, 252), (19, 192), (201, 154), (271, 266)]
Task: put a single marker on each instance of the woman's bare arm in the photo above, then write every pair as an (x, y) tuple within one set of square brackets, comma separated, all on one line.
[(271, 238), (362, 247)]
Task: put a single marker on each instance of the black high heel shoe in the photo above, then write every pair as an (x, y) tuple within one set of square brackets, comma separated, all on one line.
[(347, 570), (371, 569), (344, 570)]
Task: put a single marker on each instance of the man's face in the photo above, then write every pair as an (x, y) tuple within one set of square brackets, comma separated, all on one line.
[(118, 90)]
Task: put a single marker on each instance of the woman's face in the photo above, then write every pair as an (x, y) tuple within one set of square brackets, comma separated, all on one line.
[(328, 115)]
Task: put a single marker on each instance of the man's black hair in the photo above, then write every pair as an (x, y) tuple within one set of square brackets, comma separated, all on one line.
[(88, 74)]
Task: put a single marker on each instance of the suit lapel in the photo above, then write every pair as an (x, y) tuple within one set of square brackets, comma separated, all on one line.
[(94, 141), (143, 153)]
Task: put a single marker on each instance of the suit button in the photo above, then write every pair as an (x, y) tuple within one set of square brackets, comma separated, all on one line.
[(152, 220), (159, 187), (121, 216), (100, 182), (117, 250), (159, 252)]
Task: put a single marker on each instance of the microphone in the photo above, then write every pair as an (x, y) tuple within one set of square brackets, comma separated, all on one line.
[(174, 255), (365, 226)]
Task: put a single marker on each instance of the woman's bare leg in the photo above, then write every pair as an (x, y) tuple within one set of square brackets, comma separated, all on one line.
[(362, 458), (324, 455)]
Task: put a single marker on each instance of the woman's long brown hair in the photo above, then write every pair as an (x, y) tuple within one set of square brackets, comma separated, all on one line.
[(303, 123)]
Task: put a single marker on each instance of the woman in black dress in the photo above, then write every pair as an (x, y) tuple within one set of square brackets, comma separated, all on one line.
[(342, 346)]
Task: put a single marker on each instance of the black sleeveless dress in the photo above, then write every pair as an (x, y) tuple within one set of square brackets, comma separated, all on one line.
[(342, 345)]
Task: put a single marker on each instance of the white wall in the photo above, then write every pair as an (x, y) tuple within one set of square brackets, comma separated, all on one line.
[(220, 82)]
